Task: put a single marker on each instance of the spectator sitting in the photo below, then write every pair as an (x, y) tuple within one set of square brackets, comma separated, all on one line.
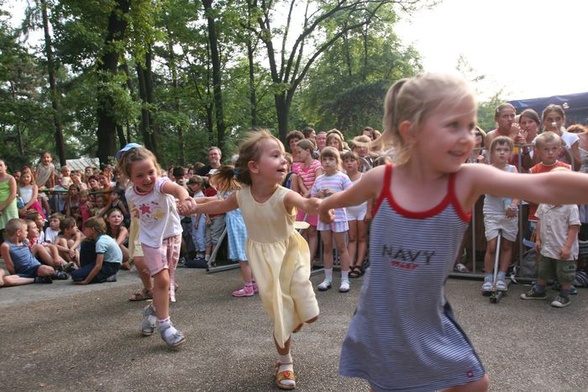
[(102, 264), (47, 253), (20, 261), (52, 231), (69, 240)]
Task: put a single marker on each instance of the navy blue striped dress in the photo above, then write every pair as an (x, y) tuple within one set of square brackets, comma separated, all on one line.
[(403, 336)]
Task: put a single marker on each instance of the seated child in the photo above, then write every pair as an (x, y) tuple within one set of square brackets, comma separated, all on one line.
[(52, 232), (69, 239), (103, 265), (47, 253), (20, 262)]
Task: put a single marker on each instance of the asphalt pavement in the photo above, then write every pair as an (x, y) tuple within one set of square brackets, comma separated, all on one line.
[(63, 337)]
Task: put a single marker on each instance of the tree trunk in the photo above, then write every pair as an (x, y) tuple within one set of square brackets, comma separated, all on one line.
[(282, 111), (59, 142), (107, 68), (216, 74), (145, 76)]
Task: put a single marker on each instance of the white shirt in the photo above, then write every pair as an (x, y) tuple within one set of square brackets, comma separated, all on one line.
[(157, 212)]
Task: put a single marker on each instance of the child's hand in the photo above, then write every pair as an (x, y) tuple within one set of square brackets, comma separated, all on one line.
[(187, 206), (538, 245), (325, 215), (565, 253)]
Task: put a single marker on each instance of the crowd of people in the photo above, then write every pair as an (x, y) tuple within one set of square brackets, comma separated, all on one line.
[(280, 205)]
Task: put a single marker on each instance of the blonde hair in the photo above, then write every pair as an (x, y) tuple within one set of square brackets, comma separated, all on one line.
[(14, 225), (126, 161), (224, 180), (414, 99), (250, 150), (547, 137)]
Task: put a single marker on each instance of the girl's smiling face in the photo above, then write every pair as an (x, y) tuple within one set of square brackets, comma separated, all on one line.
[(272, 164), (446, 137), (143, 175)]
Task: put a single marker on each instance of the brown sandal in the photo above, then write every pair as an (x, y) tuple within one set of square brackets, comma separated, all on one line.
[(141, 295), (283, 376)]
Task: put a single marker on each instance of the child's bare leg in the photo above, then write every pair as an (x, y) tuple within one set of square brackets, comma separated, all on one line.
[(344, 257), (143, 272), (352, 242), (480, 385), (361, 242), (15, 280), (489, 256), (161, 294), (313, 241), (2, 273), (43, 255), (327, 238), (505, 255)]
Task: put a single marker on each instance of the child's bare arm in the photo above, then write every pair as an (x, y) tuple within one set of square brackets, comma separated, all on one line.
[(95, 270), (566, 250), (214, 207), (5, 252), (309, 205)]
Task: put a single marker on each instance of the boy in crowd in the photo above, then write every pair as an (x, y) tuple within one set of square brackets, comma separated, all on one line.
[(20, 261), (557, 243)]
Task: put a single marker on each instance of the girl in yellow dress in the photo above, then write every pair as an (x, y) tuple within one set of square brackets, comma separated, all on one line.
[(277, 253)]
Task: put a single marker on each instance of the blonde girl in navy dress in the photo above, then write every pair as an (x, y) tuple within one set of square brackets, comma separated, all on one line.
[(404, 336)]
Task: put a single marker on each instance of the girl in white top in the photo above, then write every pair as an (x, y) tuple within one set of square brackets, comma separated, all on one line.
[(28, 192), (154, 198), (357, 218)]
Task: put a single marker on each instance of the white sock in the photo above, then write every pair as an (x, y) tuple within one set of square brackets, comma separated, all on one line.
[(285, 362), (164, 323), (344, 275), (329, 274)]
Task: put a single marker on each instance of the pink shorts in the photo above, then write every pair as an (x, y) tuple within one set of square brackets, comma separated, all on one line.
[(311, 219), (164, 257)]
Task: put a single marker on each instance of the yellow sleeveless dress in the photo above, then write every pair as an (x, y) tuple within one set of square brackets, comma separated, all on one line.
[(280, 261)]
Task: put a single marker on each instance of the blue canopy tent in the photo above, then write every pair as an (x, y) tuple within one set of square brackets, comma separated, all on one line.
[(575, 106)]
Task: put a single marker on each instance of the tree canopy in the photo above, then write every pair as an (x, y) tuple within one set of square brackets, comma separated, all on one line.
[(83, 78)]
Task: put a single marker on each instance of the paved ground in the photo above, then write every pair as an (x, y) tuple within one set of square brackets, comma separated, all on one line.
[(62, 337)]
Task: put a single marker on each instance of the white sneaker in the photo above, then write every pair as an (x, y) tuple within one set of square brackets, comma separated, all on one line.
[(324, 286), (344, 288), (149, 319)]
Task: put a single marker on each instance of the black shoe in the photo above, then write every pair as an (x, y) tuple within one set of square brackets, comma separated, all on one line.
[(111, 278), (60, 275), (43, 279), (68, 267)]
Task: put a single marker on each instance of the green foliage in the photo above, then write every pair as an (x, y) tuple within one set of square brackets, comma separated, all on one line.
[(347, 87)]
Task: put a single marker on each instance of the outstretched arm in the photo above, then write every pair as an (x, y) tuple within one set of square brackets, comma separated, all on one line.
[(309, 205), (213, 206), (557, 187), (367, 188)]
